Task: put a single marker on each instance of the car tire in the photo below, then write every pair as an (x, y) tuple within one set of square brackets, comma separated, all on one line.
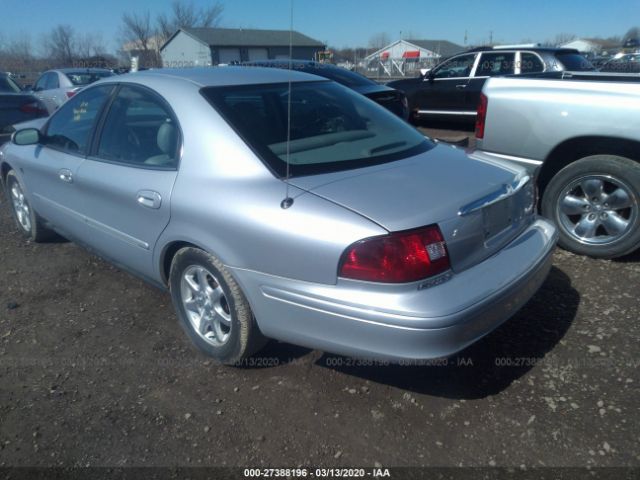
[(218, 318), (595, 202), (29, 223)]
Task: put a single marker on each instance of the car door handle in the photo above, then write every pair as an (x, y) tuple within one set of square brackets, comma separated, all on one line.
[(149, 199), (461, 87), (65, 175)]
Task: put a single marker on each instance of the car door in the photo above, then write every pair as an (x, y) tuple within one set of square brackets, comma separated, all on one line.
[(490, 64), (125, 184), (442, 91), (50, 169)]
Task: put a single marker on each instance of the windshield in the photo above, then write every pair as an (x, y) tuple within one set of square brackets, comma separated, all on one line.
[(332, 127), (7, 85), (85, 78)]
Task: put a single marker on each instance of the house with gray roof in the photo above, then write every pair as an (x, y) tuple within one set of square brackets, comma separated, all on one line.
[(191, 47)]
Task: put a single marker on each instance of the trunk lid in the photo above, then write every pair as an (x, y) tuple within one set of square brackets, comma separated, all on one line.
[(433, 188)]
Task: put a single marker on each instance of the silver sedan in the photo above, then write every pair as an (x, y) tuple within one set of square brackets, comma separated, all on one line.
[(276, 204), (55, 87)]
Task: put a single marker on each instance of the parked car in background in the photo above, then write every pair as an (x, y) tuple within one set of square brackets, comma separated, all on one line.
[(349, 231), (582, 131), (389, 98), (452, 89), (626, 63), (16, 106), (55, 87)]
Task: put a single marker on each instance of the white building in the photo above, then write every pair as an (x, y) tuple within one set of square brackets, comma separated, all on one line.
[(406, 57), (593, 46)]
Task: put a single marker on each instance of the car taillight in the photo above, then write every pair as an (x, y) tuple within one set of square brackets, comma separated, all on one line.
[(71, 93), (397, 258), (34, 107), (481, 117)]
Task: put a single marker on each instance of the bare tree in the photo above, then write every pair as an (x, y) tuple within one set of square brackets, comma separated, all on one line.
[(60, 45), (185, 15), (379, 40), (138, 32), (90, 45), (563, 38), (137, 29)]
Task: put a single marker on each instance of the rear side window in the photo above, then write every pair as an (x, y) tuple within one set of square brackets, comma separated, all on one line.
[(51, 81), (530, 63), (139, 130), (492, 64), (574, 62), (70, 127), (332, 128)]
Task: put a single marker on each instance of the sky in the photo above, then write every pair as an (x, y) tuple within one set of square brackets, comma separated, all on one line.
[(342, 23)]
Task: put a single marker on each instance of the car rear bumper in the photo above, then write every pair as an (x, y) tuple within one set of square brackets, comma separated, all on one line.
[(408, 322)]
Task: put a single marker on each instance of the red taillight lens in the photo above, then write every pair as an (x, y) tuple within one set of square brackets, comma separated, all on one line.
[(70, 93), (397, 258), (34, 107), (481, 117)]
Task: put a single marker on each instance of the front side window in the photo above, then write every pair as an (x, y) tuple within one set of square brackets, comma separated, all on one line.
[(70, 127), (332, 127), (456, 67), (139, 130), (492, 64)]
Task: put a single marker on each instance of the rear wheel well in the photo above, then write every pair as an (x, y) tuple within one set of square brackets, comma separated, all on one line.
[(167, 258), (577, 148)]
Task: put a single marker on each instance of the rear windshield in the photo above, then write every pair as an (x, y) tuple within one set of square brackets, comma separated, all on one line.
[(574, 62), (340, 75), (7, 85), (85, 78), (332, 128)]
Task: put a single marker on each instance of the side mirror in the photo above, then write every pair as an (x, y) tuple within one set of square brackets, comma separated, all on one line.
[(27, 136)]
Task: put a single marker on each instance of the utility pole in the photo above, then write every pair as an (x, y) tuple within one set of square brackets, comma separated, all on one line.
[(491, 37)]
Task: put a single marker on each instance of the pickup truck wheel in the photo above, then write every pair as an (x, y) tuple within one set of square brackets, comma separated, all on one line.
[(211, 307), (28, 221), (595, 203)]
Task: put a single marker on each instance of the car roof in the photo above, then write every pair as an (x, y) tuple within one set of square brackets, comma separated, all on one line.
[(222, 76), (306, 63), (524, 48), (80, 69)]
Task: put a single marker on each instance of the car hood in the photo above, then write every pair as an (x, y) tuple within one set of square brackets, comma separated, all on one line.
[(428, 188)]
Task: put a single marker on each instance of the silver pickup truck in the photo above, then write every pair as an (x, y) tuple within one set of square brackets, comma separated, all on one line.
[(580, 133)]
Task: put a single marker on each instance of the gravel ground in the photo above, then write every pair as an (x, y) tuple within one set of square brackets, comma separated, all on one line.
[(94, 370)]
